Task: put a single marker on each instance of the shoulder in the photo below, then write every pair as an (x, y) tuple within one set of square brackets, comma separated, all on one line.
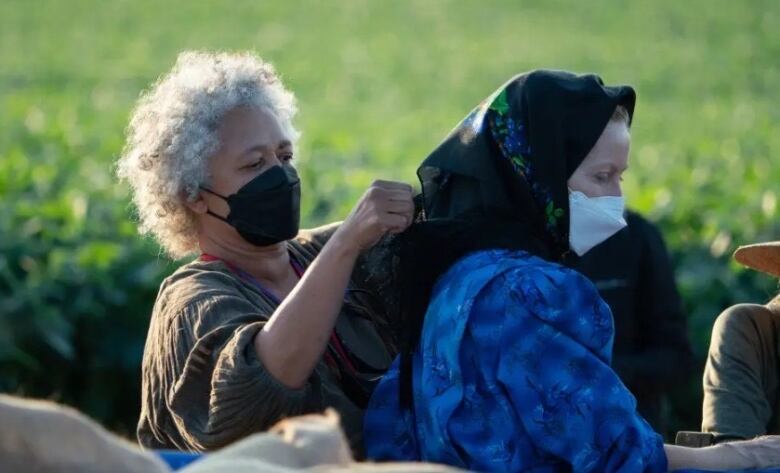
[(522, 271), (740, 318), (551, 285), (198, 288), (741, 330), (317, 236), (635, 219), (641, 227), (538, 291), (195, 280), (308, 243)]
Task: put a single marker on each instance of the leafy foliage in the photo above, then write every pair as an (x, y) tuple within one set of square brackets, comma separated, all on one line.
[(379, 84)]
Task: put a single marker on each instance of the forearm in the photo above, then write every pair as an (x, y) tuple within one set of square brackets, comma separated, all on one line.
[(295, 336), (707, 458), (759, 453), (293, 340)]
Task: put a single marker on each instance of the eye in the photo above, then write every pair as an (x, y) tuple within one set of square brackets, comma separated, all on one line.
[(286, 157), (602, 177), (255, 165), (259, 163)]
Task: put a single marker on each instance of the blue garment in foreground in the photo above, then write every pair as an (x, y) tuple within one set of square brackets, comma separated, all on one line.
[(512, 373), (176, 459)]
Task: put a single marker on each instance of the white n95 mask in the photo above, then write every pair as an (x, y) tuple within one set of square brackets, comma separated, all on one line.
[(593, 219)]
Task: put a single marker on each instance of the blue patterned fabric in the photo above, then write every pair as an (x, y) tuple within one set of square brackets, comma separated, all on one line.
[(512, 373), (177, 460)]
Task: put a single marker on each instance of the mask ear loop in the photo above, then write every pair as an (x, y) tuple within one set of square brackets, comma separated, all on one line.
[(212, 192), (208, 211)]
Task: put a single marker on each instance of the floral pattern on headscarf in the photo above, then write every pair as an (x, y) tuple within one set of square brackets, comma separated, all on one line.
[(511, 137)]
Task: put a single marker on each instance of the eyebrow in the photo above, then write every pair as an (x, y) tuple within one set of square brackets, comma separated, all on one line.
[(260, 148), (609, 166)]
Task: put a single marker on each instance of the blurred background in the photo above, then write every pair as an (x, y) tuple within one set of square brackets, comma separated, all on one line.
[(379, 84)]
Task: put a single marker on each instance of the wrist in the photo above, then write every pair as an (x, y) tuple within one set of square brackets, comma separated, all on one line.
[(343, 246), (760, 452)]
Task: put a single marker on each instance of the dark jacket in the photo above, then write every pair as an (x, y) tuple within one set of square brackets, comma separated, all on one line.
[(633, 274)]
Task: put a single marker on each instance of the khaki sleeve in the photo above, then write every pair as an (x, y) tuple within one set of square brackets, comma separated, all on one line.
[(735, 403), (223, 391)]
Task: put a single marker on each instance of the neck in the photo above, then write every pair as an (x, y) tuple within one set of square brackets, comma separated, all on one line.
[(268, 264)]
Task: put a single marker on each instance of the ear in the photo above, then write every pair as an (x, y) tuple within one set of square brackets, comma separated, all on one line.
[(197, 204)]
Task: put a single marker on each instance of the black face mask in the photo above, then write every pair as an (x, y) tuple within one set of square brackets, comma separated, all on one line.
[(266, 210)]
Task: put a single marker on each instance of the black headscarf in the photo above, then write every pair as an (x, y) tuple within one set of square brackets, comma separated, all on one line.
[(516, 151), (499, 180)]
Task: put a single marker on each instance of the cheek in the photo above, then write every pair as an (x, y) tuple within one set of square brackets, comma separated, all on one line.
[(580, 182), (218, 175), (221, 182), (229, 181)]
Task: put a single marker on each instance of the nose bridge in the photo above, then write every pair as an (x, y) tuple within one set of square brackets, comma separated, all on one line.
[(618, 189), (275, 161), (615, 188)]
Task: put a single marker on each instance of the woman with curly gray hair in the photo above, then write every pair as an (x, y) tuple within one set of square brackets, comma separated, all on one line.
[(266, 322)]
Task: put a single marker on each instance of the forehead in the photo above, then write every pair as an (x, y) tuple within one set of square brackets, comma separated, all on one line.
[(247, 127), (611, 148)]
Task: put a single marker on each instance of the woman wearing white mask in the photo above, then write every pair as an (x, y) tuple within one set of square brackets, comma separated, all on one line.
[(506, 363)]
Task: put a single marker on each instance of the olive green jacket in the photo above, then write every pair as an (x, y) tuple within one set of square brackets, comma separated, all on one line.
[(203, 385), (742, 378)]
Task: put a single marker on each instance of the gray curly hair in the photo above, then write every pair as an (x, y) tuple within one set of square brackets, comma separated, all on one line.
[(173, 133)]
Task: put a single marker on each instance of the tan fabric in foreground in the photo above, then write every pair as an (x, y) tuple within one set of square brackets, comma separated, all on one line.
[(43, 437), (309, 443), (40, 436)]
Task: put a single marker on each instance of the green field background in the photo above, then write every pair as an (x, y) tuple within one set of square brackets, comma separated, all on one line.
[(379, 84)]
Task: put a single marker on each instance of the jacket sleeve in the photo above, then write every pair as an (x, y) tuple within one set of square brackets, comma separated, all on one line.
[(740, 366), (217, 388)]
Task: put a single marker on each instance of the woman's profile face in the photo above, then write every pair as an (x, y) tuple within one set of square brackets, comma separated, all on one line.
[(600, 174)]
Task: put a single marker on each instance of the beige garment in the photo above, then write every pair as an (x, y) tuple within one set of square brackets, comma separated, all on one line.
[(43, 437), (741, 381), (40, 436), (312, 443)]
